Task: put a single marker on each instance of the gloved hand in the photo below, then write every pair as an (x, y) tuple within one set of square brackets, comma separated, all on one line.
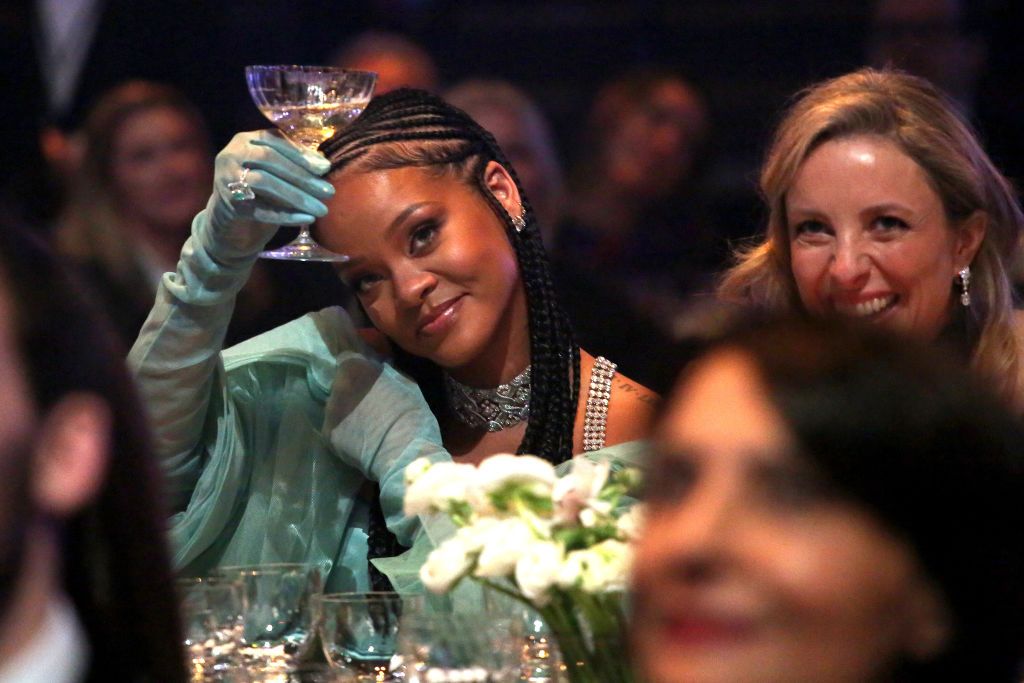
[(287, 188)]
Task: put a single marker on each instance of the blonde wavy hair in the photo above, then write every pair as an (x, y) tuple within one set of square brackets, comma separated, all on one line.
[(912, 114)]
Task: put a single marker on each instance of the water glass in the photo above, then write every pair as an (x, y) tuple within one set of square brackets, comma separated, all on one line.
[(359, 631), (278, 619), (212, 610), (305, 672), (465, 648)]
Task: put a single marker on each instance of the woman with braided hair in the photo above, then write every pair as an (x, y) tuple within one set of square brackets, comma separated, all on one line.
[(447, 260), (273, 446)]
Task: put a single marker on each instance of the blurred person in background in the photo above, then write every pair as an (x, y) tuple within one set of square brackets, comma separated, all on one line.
[(524, 134), (633, 217), (86, 590), (601, 315), (397, 60), (884, 207), (852, 516), (929, 38), (144, 174)]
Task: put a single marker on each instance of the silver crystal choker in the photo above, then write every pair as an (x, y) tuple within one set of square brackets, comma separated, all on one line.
[(504, 406)]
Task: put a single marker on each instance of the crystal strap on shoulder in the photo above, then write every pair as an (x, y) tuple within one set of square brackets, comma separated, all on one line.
[(598, 394)]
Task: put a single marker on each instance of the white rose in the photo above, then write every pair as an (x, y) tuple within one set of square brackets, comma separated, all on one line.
[(416, 469), (597, 569), (605, 566), (476, 535), (439, 485), (571, 570), (537, 570), (479, 501), (499, 470), (445, 565), (593, 571), (631, 522), (507, 540), (588, 477)]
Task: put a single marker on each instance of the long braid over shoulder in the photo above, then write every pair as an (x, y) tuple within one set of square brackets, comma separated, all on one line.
[(406, 128)]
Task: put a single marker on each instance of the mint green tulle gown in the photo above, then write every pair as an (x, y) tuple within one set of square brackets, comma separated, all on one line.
[(267, 446)]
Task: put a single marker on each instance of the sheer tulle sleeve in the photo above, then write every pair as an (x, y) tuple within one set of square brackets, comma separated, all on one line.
[(267, 445)]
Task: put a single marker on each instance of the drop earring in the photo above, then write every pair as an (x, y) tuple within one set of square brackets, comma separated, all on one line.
[(965, 286)]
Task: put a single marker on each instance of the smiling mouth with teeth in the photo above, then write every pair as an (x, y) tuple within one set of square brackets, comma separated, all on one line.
[(867, 308)]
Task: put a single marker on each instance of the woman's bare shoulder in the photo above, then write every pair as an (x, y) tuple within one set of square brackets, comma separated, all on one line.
[(631, 407), (631, 411)]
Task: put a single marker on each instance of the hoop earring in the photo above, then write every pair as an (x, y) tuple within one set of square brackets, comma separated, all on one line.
[(965, 286)]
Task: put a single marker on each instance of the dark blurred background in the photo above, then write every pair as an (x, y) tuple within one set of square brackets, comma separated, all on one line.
[(743, 58), (747, 56)]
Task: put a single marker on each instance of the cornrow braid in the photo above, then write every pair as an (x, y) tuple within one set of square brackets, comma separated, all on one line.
[(414, 128)]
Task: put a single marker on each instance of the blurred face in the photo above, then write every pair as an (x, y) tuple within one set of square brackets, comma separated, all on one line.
[(431, 263), (748, 569), (519, 142), (654, 145), (925, 37), (160, 169), (523, 142), (396, 70), (16, 422), (869, 237)]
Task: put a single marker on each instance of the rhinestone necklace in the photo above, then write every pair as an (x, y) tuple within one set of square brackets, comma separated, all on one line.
[(506, 405)]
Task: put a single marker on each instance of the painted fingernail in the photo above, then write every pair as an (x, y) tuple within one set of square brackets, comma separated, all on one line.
[(320, 164), (324, 188)]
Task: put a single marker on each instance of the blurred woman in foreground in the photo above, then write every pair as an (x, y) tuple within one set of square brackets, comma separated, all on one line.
[(853, 516), (86, 591)]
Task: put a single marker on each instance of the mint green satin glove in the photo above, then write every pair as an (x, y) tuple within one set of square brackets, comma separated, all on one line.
[(287, 190)]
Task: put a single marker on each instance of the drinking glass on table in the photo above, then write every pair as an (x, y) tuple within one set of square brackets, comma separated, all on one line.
[(278, 621), (308, 104), (212, 610), (359, 631), (471, 647)]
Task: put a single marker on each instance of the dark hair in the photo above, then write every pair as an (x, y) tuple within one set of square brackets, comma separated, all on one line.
[(902, 429), (116, 566), (414, 128)]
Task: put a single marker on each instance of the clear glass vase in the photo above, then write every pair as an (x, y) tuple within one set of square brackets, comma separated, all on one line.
[(590, 634)]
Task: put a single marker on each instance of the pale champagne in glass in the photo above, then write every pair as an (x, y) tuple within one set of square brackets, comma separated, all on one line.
[(309, 125), (308, 104)]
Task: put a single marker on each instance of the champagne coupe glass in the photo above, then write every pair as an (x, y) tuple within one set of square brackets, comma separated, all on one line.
[(308, 104)]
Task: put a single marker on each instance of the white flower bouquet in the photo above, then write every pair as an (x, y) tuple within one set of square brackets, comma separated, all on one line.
[(561, 545)]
